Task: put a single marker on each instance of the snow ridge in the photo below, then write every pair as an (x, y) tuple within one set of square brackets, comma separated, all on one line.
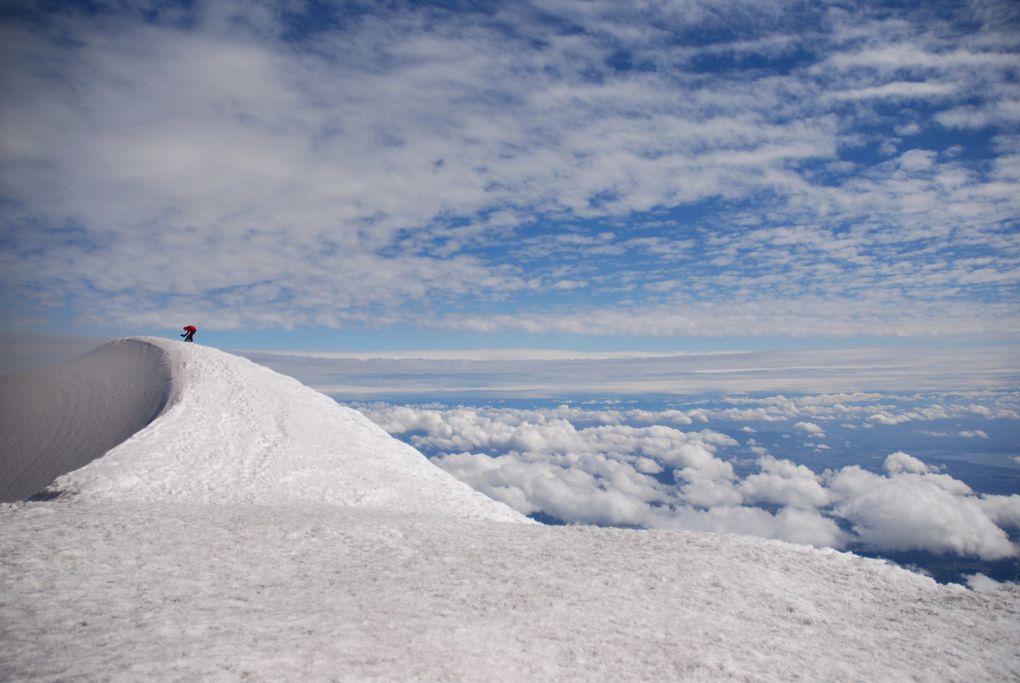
[(54, 420), (237, 432)]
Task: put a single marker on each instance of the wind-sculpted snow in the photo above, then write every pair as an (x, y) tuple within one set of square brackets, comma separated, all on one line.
[(236, 432), (54, 420)]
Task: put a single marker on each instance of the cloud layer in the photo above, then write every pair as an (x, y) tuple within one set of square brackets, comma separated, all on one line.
[(677, 168), (667, 470), (525, 372)]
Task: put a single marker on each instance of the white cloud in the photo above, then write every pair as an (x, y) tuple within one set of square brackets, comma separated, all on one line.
[(380, 171), (810, 428), (610, 473), (805, 370), (785, 483), (809, 527), (569, 493), (888, 416), (974, 434), (884, 418), (647, 466), (980, 582), (832, 316), (1003, 112), (896, 90), (1003, 510), (903, 462), (796, 526), (908, 511), (708, 490)]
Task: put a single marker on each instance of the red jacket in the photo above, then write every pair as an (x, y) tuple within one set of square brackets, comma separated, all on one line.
[(190, 328)]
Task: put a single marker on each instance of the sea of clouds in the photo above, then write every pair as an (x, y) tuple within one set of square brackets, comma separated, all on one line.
[(670, 469)]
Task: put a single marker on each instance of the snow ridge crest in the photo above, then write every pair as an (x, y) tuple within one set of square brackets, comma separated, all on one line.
[(233, 431)]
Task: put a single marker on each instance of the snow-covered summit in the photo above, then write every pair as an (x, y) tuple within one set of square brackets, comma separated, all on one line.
[(232, 431)]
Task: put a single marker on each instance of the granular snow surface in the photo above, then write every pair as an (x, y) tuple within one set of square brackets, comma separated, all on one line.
[(255, 530)]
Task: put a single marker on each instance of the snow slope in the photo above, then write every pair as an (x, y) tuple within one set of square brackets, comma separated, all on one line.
[(236, 432), (256, 530), (192, 591), (54, 420)]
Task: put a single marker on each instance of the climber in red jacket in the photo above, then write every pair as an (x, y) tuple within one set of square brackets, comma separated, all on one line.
[(189, 333)]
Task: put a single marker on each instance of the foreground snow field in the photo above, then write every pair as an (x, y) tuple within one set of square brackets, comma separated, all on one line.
[(256, 529), (183, 591)]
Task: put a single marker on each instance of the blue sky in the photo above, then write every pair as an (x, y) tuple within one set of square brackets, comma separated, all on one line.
[(596, 175)]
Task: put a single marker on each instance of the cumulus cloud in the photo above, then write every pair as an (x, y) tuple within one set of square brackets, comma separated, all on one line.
[(903, 462), (1003, 510), (980, 582), (711, 489), (785, 483), (810, 428), (565, 463), (807, 527), (909, 511), (610, 494)]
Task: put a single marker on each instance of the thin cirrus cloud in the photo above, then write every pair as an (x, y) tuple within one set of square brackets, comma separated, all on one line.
[(557, 373), (706, 168)]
